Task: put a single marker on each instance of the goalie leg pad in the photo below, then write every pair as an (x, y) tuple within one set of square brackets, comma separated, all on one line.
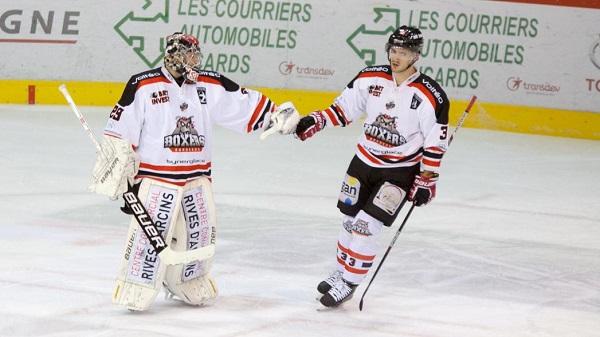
[(141, 274), (194, 229)]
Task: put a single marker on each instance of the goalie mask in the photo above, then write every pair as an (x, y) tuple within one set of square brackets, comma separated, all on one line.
[(406, 37), (182, 51)]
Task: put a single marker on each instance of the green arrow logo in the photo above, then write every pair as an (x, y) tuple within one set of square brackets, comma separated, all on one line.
[(369, 55), (150, 50)]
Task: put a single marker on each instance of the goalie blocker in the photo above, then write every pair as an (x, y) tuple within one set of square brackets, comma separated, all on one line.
[(184, 217)]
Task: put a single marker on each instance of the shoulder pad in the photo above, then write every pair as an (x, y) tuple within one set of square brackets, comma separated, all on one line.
[(382, 71), (435, 94), (137, 81), (217, 78)]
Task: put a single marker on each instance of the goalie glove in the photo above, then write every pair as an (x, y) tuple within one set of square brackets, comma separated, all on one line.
[(116, 165), (423, 189), (309, 125), (283, 120)]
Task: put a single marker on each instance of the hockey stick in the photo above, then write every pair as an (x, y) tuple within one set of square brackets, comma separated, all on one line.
[(63, 89), (458, 126), (166, 253)]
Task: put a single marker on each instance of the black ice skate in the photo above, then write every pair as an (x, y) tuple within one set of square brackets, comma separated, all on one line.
[(327, 283), (339, 293)]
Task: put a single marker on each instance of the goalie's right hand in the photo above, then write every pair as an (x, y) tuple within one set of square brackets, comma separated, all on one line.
[(283, 120), (116, 165)]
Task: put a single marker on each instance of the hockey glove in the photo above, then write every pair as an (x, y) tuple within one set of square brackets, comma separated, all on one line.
[(283, 120), (116, 165), (423, 189), (310, 125)]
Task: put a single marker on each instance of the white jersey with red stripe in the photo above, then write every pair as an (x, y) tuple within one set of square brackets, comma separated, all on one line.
[(170, 126), (405, 124)]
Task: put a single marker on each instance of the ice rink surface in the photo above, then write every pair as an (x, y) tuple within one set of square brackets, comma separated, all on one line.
[(510, 247)]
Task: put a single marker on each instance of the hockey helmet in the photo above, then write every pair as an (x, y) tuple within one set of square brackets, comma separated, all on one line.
[(407, 37), (180, 51)]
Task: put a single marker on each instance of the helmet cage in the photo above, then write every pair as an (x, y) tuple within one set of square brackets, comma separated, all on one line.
[(180, 51)]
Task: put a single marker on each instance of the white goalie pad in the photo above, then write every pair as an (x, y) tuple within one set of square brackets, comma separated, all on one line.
[(116, 164), (191, 282), (142, 272), (283, 120)]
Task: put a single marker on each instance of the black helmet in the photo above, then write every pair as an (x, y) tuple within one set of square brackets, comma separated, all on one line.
[(407, 37)]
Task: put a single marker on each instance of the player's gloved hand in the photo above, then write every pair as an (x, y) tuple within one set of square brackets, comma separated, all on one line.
[(423, 189), (283, 120), (116, 165), (310, 125)]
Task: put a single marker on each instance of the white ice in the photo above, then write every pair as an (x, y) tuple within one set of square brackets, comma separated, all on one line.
[(510, 247)]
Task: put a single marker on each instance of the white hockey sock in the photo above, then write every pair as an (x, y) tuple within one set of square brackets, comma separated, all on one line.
[(363, 247), (344, 239)]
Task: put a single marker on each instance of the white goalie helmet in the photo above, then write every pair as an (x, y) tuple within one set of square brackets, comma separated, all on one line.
[(182, 51)]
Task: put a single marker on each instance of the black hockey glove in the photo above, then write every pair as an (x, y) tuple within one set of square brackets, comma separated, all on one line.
[(309, 125), (423, 189)]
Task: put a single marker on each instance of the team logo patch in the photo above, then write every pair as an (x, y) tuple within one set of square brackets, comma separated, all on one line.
[(350, 190), (361, 227), (347, 226), (389, 197), (161, 96), (201, 94), (416, 101), (375, 90), (383, 131), (185, 137)]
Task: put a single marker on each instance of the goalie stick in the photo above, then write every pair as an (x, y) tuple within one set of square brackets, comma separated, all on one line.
[(459, 124), (167, 255)]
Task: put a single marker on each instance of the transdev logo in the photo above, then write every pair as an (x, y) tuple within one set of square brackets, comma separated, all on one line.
[(515, 83), (289, 68)]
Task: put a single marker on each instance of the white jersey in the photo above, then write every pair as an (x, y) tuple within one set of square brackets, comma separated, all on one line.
[(170, 126), (405, 124)]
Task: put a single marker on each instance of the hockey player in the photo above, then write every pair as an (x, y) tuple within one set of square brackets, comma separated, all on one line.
[(397, 157), (161, 133)]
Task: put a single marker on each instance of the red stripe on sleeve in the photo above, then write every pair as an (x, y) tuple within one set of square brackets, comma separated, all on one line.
[(431, 163), (259, 108), (331, 117)]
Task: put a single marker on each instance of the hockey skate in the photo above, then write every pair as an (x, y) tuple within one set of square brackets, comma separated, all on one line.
[(339, 293), (327, 283)]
